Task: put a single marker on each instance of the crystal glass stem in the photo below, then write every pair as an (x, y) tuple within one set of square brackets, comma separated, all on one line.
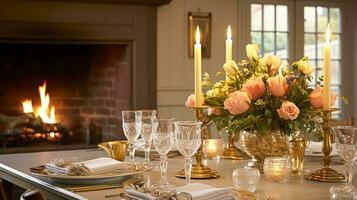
[(163, 169), (147, 152), (131, 150), (349, 173), (188, 168)]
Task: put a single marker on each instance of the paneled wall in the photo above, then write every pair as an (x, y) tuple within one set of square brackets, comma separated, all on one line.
[(175, 68)]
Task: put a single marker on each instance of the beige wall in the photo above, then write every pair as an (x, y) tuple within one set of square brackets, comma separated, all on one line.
[(175, 68)]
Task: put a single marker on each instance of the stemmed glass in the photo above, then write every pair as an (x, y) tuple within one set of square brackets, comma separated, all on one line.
[(188, 141), (163, 139), (346, 145), (130, 132), (143, 120)]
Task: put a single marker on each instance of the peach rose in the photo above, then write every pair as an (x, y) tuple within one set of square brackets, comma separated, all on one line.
[(277, 86), (214, 111), (237, 103), (288, 111), (191, 100), (317, 100), (255, 87)]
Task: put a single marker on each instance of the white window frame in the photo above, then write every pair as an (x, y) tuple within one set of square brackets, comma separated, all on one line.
[(296, 36)]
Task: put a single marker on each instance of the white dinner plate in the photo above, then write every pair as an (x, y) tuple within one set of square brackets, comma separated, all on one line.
[(41, 172)]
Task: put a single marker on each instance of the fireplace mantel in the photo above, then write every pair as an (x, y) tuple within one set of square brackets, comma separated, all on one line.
[(128, 22), (137, 2)]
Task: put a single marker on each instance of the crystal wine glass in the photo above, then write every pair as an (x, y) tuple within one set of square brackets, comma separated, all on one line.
[(188, 141), (346, 146), (163, 139), (130, 132), (143, 120)]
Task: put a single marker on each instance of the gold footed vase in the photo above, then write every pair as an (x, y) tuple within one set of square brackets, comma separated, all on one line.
[(260, 146), (199, 170), (326, 173), (297, 149), (232, 152)]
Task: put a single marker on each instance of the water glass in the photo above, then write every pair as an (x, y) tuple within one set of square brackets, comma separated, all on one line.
[(129, 127), (144, 120), (163, 139), (188, 141), (246, 179), (346, 146)]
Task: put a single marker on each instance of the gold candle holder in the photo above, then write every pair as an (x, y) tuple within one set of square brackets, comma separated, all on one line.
[(327, 174), (232, 152), (199, 170)]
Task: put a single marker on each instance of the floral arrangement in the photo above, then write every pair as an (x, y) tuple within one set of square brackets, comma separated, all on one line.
[(263, 94)]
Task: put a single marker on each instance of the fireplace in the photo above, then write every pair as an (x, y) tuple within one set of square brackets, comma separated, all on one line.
[(88, 85), (96, 57)]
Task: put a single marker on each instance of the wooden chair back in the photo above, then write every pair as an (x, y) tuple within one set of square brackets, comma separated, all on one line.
[(33, 194)]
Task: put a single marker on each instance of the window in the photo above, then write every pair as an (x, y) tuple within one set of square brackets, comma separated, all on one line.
[(269, 29), (299, 33), (316, 19)]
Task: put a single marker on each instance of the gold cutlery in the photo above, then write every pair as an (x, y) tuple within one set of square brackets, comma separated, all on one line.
[(271, 198), (105, 187)]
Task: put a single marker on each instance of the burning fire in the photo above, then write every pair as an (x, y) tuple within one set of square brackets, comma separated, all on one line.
[(44, 111)]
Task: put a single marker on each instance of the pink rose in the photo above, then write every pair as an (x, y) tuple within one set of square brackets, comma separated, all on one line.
[(317, 100), (277, 86), (288, 111), (191, 100), (255, 87), (238, 102), (214, 111)]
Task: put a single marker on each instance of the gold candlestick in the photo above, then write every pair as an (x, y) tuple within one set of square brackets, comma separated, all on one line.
[(199, 170), (232, 152), (327, 174)]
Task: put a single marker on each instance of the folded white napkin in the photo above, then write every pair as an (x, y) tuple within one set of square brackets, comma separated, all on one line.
[(316, 147), (95, 166), (198, 191)]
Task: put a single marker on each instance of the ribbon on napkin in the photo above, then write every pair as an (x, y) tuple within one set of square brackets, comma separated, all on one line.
[(94, 166)]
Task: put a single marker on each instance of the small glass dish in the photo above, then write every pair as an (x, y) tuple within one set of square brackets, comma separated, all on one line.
[(246, 179)]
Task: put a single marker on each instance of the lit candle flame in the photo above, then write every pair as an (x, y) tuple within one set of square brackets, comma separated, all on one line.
[(229, 33), (197, 35), (328, 33)]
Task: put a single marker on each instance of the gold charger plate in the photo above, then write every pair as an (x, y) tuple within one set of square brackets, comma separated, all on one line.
[(41, 171)]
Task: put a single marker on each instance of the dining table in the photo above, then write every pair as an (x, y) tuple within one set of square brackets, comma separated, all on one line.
[(14, 170)]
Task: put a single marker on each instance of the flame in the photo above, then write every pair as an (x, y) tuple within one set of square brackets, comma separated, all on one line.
[(229, 33), (27, 106), (44, 111), (198, 35), (328, 33)]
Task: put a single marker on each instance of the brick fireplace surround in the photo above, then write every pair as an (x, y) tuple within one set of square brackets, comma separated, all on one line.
[(119, 37)]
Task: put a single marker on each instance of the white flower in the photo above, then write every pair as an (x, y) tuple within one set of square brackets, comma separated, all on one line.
[(268, 59), (213, 93), (231, 68), (252, 51), (273, 62), (305, 67)]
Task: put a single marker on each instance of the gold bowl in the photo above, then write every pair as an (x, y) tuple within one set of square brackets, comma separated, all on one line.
[(115, 149), (260, 146)]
